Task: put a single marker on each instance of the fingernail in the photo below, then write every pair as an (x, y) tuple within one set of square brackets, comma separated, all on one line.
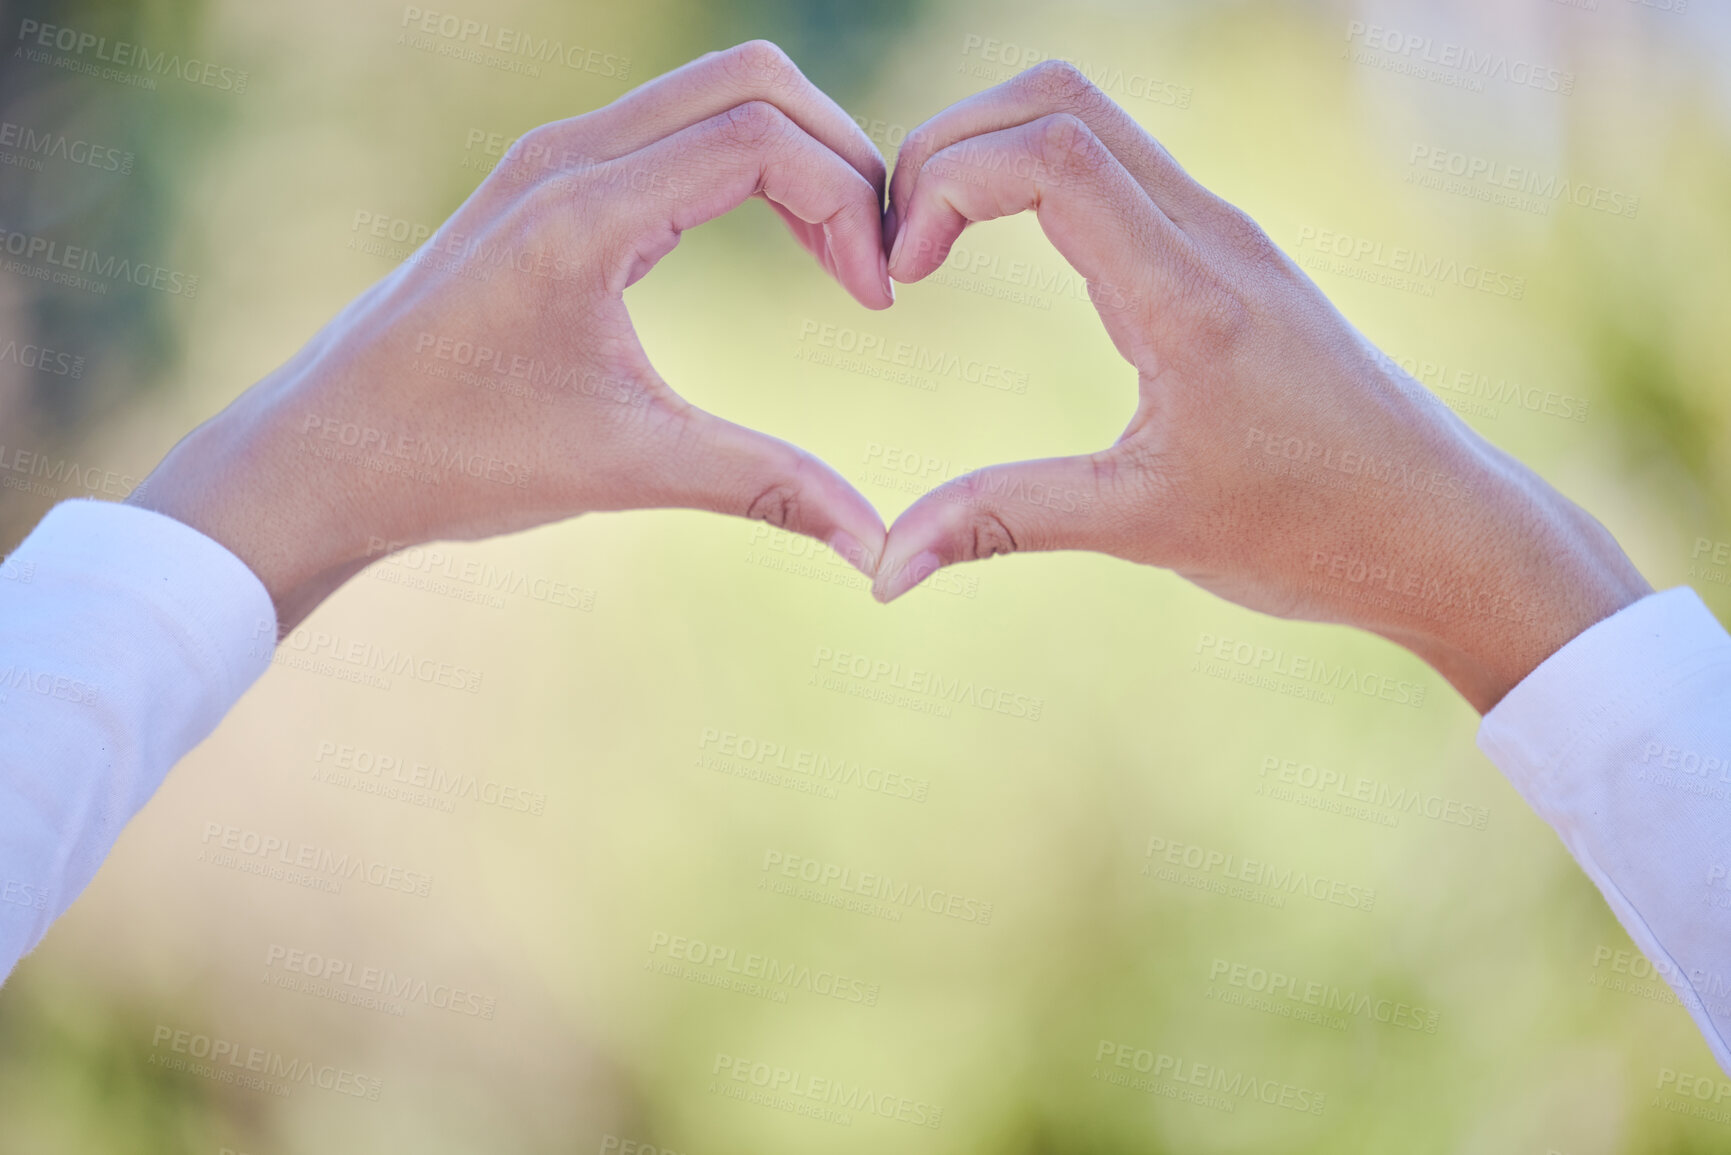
[(890, 222), (884, 272), (895, 249), (920, 567), (848, 546)]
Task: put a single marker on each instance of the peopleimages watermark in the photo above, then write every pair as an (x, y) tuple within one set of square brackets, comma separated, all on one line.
[(257, 1068), (369, 987), (517, 374), (410, 454), (1719, 879), (828, 1100), (1681, 1093), (398, 239), (501, 47), (1473, 393), (912, 688), (13, 570), (1632, 973), (1448, 62), (1252, 879), (875, 893), (305, 863), (1396, 585), (887, 136), (1356, 469), (1019, 282), (1297, 675), (436, 569), (132, 64), (524, 160), (1709, 561), (777, 763), (871, 354), (753, 973), (29, 895), (408, 779), (613, 1143), (1204, 1084), (466, 255), (32, 471), (908, 470), (25, 147), (86, 269), (1400, 266), (1511, 186), (47, 684), (364, 662), (797, 555), (1685, 770), (988, 58), (1322, 1004), (27, 355), (1355, 796)]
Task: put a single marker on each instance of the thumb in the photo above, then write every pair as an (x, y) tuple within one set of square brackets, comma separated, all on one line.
[(713, 464), (1054, 503)]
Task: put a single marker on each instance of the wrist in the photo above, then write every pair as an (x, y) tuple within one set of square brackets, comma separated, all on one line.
[(231, 482), (1531, 571)]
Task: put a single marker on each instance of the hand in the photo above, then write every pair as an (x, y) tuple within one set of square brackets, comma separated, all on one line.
[(1276, 458), (494, 381)]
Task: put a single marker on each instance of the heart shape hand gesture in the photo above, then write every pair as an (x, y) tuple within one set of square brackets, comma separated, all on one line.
[(495, 382)]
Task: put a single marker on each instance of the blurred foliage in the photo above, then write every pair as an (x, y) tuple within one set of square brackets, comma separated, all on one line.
[(128, 338), (839, 44)]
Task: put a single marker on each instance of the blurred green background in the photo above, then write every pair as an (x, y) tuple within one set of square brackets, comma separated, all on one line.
[(630, 724)]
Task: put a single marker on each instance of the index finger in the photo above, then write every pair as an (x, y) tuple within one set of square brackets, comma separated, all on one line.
[(709, 86), (751, 149), (1052, 86)]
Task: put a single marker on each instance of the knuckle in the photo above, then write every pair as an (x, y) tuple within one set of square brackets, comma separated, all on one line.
[(1061, 82), (777, 504), (1217, 311), (528, 159), (752, 124), (853, 224), (1221, 321), (916, 147), (1247, 238), (759, 62), (1068, 145), (990, 537), (533, 142), (544, 210), (1130, 471), (980, 530)]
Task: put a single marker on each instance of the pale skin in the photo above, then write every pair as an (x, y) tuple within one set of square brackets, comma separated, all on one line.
[(581, 209), (1276, 458)]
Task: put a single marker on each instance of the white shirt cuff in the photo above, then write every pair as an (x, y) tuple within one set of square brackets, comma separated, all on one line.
[(205, 592), (1621, 740)]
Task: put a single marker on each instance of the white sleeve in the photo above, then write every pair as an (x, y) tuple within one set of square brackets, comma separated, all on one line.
[(1621, 740), (125, 636)]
